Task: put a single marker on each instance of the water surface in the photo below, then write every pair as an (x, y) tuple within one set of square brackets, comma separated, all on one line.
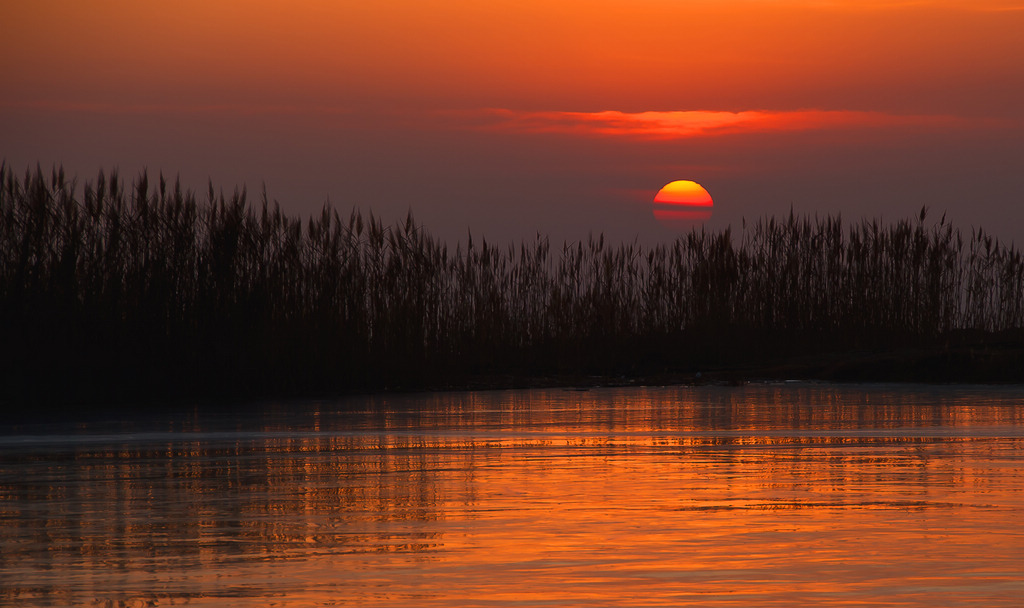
[(763, 495)]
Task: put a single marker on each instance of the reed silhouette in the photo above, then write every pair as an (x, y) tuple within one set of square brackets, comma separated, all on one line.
[(110, 292)]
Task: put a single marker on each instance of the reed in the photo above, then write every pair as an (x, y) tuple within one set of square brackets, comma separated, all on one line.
[(115, 291)]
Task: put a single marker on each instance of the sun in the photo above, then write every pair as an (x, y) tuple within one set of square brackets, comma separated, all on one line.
[(682, 204)]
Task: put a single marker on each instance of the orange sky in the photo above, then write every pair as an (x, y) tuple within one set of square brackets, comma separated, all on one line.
[(362, 102), (535, 55)]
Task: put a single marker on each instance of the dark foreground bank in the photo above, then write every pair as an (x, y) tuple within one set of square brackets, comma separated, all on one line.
[(112, 293)]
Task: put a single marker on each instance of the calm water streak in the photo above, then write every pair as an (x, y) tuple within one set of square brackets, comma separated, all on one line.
[(753, 496)]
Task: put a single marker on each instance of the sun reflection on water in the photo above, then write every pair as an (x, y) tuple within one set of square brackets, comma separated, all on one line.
[(765, 495)]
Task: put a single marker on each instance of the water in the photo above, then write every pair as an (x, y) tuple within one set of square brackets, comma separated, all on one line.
[(786, 495)]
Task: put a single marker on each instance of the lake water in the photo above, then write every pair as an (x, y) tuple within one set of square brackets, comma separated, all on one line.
[(762, 495)]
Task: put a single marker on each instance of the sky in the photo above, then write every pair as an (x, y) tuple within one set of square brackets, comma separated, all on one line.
[(509, 118)]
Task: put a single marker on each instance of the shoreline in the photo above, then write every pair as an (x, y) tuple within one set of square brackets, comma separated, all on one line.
[(978, 364), (995, 362)]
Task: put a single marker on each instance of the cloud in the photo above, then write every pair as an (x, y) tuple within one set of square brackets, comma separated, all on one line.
[(694, 123), (650, 125)]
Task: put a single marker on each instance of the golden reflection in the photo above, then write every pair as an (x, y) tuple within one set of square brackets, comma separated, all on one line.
[(759, 495)]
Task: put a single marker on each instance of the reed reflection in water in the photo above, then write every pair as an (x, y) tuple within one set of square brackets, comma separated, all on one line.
[(710, 496)]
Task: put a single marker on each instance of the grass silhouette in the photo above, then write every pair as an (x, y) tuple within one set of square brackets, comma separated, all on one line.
[(110, 292)]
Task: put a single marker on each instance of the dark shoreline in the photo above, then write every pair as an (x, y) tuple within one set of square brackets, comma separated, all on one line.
[(981, 362), (997, 363)]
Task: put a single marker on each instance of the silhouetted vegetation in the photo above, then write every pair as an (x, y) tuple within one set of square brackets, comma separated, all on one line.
[(150, 290)]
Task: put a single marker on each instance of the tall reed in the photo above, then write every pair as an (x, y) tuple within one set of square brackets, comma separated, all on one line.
[(151, 289)]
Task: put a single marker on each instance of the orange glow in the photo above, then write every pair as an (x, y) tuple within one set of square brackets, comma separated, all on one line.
[(682, 204)]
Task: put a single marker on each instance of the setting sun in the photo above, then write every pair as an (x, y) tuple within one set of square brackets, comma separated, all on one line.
[(682, 204)]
